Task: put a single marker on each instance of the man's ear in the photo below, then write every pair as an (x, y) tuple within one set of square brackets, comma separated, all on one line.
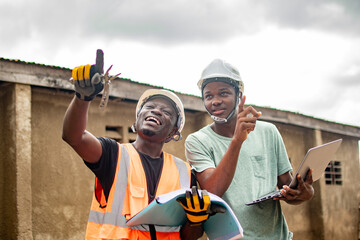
[(173, 132), (171, 135)]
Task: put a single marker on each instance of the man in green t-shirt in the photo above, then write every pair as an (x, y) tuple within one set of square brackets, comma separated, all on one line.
[(240, 162)]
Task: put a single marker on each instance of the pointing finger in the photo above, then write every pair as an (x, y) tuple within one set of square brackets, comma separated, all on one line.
[(251, 112), (242, 103), (99, 66)]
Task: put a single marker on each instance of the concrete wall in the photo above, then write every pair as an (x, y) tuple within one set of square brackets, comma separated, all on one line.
[(332, 212), (46, 189), (16, 161), (340, 203), (61, 186)]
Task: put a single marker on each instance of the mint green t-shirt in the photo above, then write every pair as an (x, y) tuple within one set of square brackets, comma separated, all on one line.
[(261, 160)]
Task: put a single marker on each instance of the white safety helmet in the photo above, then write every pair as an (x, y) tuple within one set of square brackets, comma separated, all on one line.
[(176, 102), (219, 70)]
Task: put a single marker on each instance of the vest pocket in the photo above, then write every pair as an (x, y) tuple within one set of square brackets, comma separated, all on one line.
[(137, 191), (137, 199)]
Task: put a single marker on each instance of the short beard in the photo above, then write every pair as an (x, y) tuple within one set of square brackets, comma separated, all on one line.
[(148, 133)]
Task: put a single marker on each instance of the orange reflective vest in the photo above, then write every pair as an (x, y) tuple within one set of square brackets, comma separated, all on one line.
[(128, 196)]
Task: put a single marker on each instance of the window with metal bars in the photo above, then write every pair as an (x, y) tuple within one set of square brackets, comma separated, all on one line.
[(333, 173), (115, 132)]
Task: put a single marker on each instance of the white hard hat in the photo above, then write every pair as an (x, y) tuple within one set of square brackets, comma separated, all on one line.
[(219, 70), (170, 95)]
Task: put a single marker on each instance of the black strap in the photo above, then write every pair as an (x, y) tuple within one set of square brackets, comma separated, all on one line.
[(152, 231)]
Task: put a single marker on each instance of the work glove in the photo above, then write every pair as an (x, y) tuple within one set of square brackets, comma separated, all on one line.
[(88, 79), (198, 208)]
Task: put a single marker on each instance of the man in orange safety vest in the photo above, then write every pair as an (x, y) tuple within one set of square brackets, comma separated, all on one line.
[(130, 175)]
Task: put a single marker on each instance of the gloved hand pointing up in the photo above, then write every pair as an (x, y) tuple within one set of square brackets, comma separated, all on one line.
[(88, 79)]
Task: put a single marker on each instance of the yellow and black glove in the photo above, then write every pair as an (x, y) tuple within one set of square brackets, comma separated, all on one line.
[(88, 79), (197, 207)]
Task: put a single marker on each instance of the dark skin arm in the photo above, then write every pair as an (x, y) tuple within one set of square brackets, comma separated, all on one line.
[(217, 180), (303, 192), (189, 232), (83, 142), (195, 230)]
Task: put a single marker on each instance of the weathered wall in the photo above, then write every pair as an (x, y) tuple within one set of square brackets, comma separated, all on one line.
[(320, 217), (7, 182), (16, 161), (340, 202), (61, 184)]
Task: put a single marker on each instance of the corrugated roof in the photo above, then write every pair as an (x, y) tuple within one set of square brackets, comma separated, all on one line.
[(34, 63)]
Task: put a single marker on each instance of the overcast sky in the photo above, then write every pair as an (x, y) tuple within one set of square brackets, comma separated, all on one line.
[(301, 56)]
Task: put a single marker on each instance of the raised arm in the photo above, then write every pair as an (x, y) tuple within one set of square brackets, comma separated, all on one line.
[(88, 83), (74, 133)]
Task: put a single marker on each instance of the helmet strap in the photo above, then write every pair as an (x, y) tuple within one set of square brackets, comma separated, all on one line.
[(133, 128), (176, 137), (225, 120)]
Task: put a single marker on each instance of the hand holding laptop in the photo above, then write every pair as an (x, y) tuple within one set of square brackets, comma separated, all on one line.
[(303, 192), (316, 160)]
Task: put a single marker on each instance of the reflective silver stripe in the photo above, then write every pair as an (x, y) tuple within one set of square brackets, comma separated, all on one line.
[(157, 228), (183, 172), (115, 217)]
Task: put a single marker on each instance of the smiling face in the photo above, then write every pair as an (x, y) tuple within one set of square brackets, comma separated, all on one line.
[(219, 98), (156, 119)]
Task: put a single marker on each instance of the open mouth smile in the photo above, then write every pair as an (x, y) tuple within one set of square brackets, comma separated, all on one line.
[(152, 119)]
